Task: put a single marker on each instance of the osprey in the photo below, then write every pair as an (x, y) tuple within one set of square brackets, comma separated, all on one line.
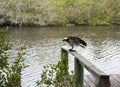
[(73, 40)]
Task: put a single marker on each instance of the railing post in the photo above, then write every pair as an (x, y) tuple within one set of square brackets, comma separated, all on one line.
[(64, 58), (79, 73), (103, 81)]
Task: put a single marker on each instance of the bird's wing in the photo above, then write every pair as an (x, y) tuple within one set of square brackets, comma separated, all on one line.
[(77, 40), (82, 42)]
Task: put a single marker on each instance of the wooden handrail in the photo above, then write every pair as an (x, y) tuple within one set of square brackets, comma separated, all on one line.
[(102, 79)]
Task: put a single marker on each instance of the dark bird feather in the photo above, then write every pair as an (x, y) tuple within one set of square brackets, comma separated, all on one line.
[(74, 40)]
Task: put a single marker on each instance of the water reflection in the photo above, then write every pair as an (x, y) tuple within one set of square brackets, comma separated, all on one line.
[(43, 47)]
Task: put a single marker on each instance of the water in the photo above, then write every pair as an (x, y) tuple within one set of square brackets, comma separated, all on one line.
[(44, 45)]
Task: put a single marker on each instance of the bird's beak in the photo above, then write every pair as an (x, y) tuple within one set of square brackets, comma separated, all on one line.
[(65, 39)]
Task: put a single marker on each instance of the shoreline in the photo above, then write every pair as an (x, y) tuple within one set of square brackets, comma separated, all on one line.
[(67, 25)]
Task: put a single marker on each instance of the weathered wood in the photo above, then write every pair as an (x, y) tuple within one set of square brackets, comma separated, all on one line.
[(114, 80), (117, 78), (89, 81), (102, 79), (64, 58), (92, 79), (79, 74), (118, 75), (84, 62)]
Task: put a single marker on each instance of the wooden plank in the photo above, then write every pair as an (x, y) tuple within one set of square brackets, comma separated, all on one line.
[(92, 79), (89, 66), (102, 82), (118, 75), (86, 84), (114, 83), (79, 74), (89, 81), (115, 80), (64, 59), (102, 79)]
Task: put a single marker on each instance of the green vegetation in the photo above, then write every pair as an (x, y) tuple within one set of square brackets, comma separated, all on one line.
[(10, 73), (59, 12), (55, 75)]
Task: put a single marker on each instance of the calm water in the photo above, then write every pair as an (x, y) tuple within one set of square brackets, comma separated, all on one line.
[(44, 44)]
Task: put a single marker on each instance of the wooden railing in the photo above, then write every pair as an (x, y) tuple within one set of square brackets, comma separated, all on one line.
[(102, 79)]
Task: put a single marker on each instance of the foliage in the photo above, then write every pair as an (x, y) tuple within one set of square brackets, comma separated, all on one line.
[(60, 12), (55, 75), (10, 73)]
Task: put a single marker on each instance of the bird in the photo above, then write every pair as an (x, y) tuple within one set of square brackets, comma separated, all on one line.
[(75, 41)]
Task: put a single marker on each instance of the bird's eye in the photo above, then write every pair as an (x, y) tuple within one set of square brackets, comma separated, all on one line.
[(68, 39)]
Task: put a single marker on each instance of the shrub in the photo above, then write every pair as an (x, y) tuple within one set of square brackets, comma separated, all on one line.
[(10, 73), (60, 12), (55, 75)]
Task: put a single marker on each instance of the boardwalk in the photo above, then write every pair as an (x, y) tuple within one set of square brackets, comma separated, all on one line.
[(89, 80), (97, 78)]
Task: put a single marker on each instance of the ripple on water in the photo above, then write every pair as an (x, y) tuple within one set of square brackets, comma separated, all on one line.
[(103, 49)]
